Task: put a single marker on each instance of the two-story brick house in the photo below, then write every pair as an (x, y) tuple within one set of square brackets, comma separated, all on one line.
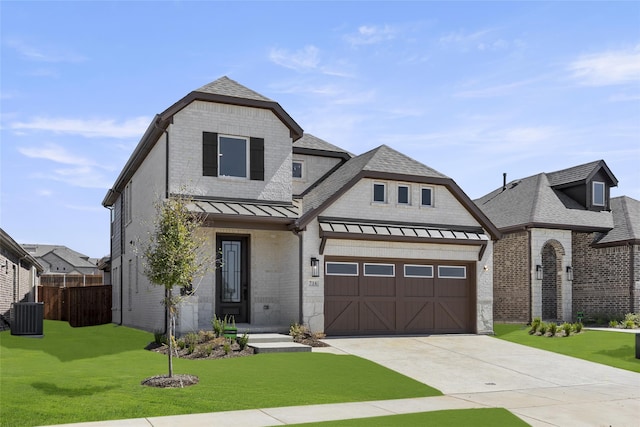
[(371, 244), (567, 248)]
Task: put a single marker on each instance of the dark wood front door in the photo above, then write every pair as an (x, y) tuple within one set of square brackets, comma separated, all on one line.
[(233, 278)]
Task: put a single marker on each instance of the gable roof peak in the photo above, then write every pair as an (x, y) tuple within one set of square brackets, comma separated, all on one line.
[(385, 159), (228, 87)]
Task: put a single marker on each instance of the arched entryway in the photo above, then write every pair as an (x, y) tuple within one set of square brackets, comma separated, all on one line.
[(552, 253)]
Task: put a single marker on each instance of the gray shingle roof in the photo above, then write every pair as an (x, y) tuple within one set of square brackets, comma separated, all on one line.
[(314, 143), (72, 257), (577, 174), (381, 159), (225, 86), (626, 220), (532, 200)]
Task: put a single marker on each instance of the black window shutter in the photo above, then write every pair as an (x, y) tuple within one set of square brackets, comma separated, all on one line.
[(256, 159), (209, 154)]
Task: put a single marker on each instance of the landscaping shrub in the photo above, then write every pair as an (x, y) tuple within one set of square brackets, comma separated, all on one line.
[(543, 328), (577, 327), (243, 341), (566, 328), (613, 323), (535, 324), (553, 328)]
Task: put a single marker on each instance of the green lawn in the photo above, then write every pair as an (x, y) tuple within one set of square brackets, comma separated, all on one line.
[(483, 417), (94, 373), (615, 349)]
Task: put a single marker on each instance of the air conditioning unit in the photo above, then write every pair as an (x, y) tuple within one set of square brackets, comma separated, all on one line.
[(27, 318)]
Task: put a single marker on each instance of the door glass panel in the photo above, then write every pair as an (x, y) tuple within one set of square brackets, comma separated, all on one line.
[(231, 271)]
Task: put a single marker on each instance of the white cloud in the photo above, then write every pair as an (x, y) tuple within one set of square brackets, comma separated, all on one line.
[(47, 54), (92, 128), (482, 40), (498, 90), (54, 153), (372, 34), (301, 60), (84, 176), (607, 68)]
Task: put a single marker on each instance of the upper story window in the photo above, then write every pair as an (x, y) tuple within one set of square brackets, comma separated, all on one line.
[(297, 169), (426, 195), (598, 193), (233, 156), (404, 195), (379, 192)]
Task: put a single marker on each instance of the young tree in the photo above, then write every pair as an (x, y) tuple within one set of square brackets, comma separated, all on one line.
[(174, 257)]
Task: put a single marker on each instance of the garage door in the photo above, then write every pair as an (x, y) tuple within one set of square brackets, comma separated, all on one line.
[(369, 297)]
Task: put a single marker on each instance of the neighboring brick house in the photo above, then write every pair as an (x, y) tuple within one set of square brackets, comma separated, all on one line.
[(566, 248), (371, 244), (19, 275)]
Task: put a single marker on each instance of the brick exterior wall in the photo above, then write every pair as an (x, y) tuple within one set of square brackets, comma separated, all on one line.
[(511, 291), (601, 277), (16, 282)]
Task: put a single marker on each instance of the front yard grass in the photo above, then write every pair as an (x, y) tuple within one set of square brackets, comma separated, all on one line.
[(615, 349), (94, 373), (480, 417)]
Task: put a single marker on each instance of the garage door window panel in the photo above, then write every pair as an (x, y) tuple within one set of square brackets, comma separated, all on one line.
[(341, 268), (379, 270), (419, 271), (452, 272)]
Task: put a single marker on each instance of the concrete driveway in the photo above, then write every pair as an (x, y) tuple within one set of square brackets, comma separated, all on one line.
[(540, 387)]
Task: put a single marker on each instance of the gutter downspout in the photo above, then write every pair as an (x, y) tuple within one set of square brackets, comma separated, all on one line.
[(122, 246), (530, 275), (632, 275), (166, 196)]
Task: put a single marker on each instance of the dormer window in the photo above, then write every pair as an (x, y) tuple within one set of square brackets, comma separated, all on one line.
[(598, 193)]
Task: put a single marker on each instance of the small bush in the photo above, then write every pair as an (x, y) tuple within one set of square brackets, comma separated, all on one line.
[(205, 336), (227, 347), (553, 328), (181, 344), (218, 325), (243, 341), (632, 320), (577, 327), (159, 338), (613, 323), (535, 324), (566, 328), (207, 349), (543, 328), (298, 331)]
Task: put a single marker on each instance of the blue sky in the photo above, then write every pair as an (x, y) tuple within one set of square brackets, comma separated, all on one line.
[(471, 89)]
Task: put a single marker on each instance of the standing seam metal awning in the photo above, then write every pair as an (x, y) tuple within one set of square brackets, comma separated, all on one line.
[(400, 232), (251, 210)]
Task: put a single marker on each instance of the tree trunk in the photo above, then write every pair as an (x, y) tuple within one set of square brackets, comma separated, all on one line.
[(169, 309)]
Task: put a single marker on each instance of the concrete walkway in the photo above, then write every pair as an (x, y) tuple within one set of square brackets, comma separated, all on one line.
[(542, 388)]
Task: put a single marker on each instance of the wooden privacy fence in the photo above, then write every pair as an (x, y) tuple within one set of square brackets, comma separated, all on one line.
[(80, 306), (71, 280)]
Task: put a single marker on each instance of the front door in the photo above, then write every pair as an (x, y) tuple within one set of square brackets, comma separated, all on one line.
[(233, 278)]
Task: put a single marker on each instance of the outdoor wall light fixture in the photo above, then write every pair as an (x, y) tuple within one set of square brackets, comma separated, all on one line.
[(315, 267), (569, 272), (538, 272)]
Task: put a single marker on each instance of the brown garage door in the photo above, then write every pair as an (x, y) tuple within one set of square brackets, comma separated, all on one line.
[(368, 297)]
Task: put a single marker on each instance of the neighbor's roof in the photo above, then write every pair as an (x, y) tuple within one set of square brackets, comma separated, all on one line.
[(533, 201), (76, 259), (11, 245), (580, 173), (223, 91), (626, 222)]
